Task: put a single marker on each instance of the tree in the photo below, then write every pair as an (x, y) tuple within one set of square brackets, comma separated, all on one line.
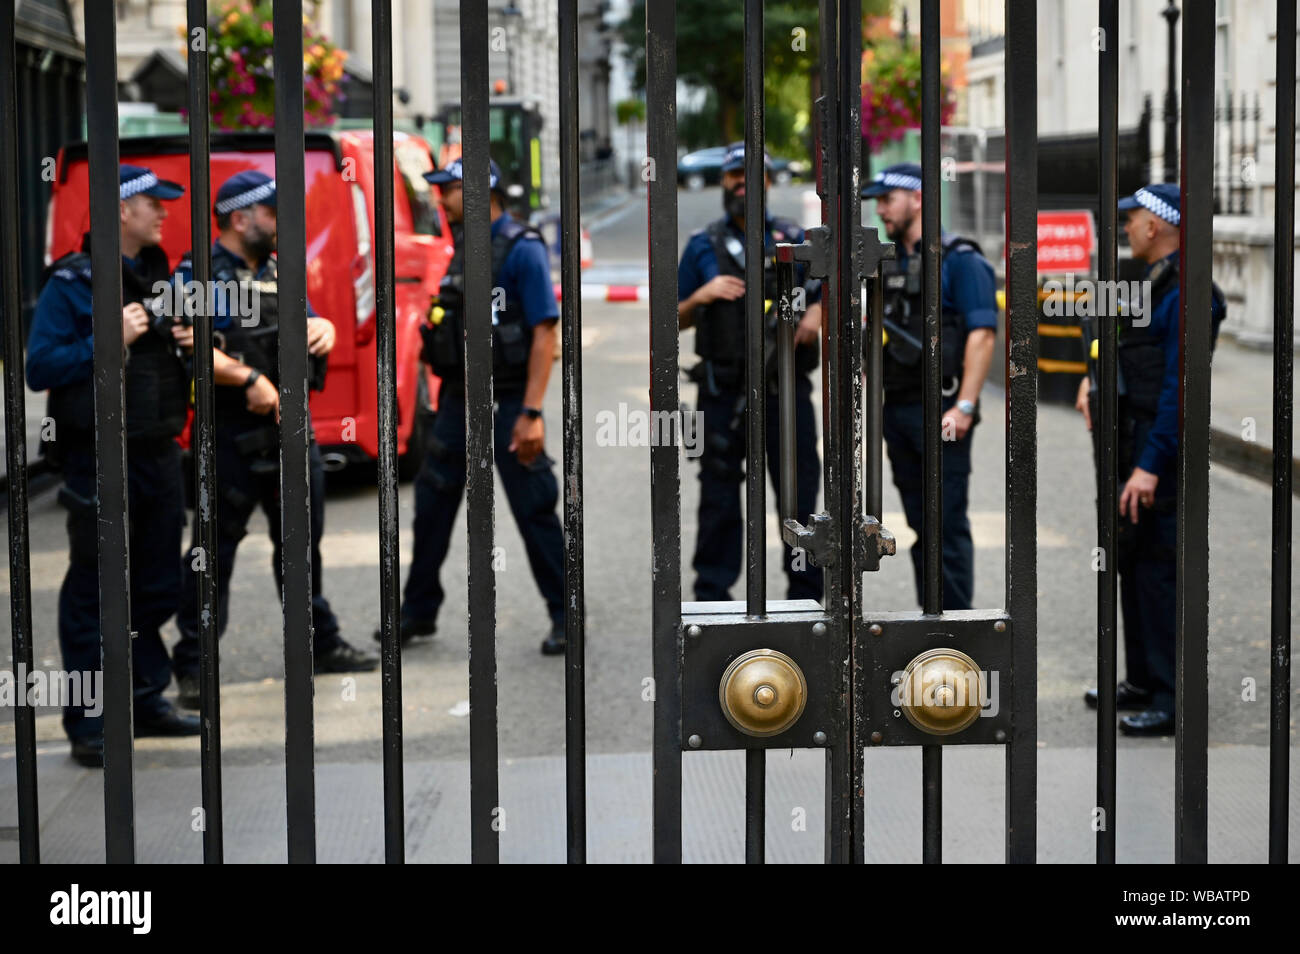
[(711, 57)]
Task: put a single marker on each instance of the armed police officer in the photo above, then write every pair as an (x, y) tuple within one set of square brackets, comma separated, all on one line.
[(523, 348), (711, 298), (247, 439), (60, 357), (1147, 419), (969, 322)]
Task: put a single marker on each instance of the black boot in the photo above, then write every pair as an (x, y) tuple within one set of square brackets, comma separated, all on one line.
[(89, 752), (345, 657), (408, 629), (1148, 722), (1127, 696), (170, 722), (555, 643)]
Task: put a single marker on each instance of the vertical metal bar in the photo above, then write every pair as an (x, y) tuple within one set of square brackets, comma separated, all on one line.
[(755, 806), (847, 338), (1022, 409), (756, 388), (665, 478), (1283, 390), (20, 583), (932, 409), (110, 430), (204, 446), (840, 842), (1193, 609), (1106, 429), (575, 608), (381, 34), (873, 403), (479, 501), (295, 480), (755, 350), (932, 800), (785, 380)]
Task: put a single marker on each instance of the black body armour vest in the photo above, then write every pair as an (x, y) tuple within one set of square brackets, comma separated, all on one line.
[(253, 339), (512, 337), (1141, 354), (905, 307), (720, 326), (156, 385)]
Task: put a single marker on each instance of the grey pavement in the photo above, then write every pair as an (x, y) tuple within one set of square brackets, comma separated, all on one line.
[(349, 818), (619, 729), (1242, 398)]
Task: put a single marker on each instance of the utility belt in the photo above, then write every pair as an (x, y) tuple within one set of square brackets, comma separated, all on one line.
[(260, 449), (444, 345)]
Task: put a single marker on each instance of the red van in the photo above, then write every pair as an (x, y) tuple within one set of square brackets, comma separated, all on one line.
[(339, 170)]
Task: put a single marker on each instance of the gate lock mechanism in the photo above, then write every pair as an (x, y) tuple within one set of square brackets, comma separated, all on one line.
[(763, 692), (941, 691)]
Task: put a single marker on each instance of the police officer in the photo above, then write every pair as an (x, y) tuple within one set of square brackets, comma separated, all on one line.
[(711, 298), (523, 348), (969, 318), (247, 441), (1148, 421), (60, 357)]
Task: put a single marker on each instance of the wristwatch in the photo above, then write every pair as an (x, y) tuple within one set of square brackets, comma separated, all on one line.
[(532, 413), (253, 375), (966, 407)]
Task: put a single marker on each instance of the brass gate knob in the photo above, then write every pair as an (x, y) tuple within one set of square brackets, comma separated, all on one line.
[(942, 691), (763, 692)]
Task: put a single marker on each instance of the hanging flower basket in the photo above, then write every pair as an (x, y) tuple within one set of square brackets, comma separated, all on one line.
[(242, 75), (891, 92)]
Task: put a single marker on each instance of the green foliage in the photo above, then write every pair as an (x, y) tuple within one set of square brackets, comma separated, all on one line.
[(711, 57), (629, 110)]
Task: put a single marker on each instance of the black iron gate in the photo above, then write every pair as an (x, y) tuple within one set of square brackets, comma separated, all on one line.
[(763, 674)]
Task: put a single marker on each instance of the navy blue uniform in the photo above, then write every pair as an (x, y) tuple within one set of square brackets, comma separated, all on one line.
[(969, 296), (531, 490), (248, 477), (1147, 556), (719, 545), (60, 357)]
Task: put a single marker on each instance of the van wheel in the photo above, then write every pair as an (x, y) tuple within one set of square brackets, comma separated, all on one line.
[(409, 464), (695, 182)]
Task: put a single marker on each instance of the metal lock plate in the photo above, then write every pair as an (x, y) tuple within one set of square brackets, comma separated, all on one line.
[(921, 675), (727, 654)]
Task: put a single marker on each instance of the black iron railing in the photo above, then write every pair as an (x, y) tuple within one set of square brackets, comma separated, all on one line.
[(843, 649)]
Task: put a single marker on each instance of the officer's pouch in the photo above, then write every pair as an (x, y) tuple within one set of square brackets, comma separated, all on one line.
[(257, 441), (902, 352), (317, 364), (444, 342), (511, 344)]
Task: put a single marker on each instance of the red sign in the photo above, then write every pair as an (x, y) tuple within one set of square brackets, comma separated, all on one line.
[(1065, 241)]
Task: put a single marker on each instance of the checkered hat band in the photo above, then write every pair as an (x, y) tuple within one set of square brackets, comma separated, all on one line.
[(137, 185), (898, 180), (1149, 200), (251, 197), (455, 168)]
